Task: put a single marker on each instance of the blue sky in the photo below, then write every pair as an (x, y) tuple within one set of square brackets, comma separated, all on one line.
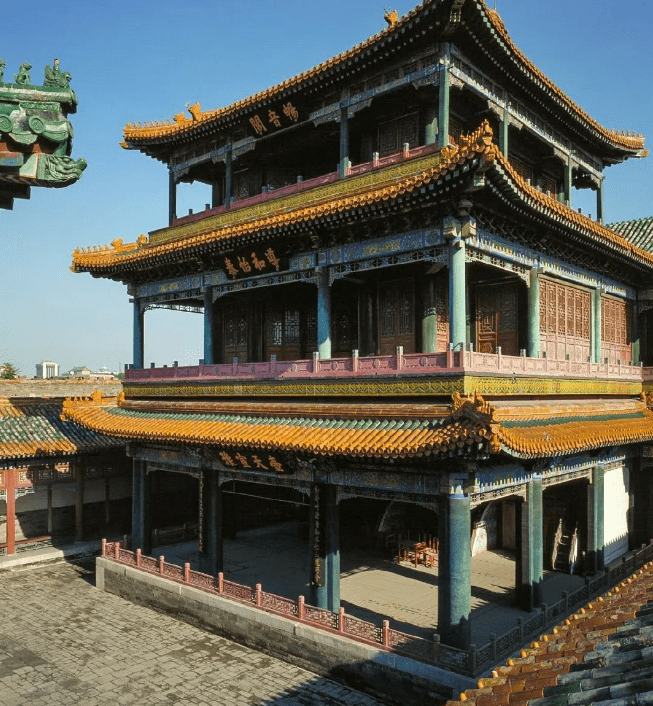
[(145, 60)]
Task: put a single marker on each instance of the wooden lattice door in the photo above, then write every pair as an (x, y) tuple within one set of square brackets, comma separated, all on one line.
[(397, 316), (615, 331), (564, 321), (496, 318), (282, 332), (235, 332)]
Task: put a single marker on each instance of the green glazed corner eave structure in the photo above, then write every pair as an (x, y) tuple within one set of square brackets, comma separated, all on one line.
[(36, 136)]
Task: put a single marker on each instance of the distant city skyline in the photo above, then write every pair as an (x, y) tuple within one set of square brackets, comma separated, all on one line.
[(145, 61)]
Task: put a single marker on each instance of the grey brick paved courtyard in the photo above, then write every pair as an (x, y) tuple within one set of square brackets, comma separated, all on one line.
[(64, 642)]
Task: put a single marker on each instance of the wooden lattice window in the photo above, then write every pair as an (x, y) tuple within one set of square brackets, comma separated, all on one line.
[(524, 169), (395, 133), (455, 131), (549, 185), (564, 321), (615, 330)]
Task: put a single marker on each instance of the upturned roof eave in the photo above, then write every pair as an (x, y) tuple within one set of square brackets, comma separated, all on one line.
[(151, 139)]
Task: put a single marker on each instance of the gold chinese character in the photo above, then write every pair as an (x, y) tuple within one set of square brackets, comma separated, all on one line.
[(272, 258), (226, 458), (258, 463), (275, 464), (243, 461), (244, 265), (258, 125), (231, 270), (274, 118), (290, 112), (259, 264)]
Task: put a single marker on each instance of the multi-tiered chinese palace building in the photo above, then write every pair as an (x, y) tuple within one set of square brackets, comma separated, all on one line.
[(405, 317)]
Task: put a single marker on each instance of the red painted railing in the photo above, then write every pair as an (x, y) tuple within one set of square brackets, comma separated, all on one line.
[(417, 364), (309, 183), (346, 625)]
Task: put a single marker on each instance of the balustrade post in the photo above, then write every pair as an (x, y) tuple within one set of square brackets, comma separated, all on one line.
[(104, 548), (301, 608), (116, 551), (385, 633), (234, 366), (471, 659), (435, 647), (186, 572), (449, 355), (161, 564), (138, 557), (316, 361), (354, 360), (341, 620), (399, 358), (220, 582), (259, 595)]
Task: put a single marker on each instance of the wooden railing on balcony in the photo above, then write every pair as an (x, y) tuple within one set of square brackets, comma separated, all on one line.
[(416, 364), (355, 170)]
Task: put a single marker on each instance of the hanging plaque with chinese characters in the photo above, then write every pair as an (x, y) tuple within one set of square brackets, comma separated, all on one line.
[(249, 263), (261, 461), (268, 120)]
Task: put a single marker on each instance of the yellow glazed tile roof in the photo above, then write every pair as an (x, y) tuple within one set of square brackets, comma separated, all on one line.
[(469, 425), (184, 125), (600, 644), (316, 429), (347, 195), (31, 427)]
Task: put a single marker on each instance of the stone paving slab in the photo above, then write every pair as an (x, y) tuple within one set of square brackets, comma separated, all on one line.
[(63, 642)]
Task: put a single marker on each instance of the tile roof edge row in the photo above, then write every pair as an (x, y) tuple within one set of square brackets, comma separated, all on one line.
[(478, 143), (183, 125)]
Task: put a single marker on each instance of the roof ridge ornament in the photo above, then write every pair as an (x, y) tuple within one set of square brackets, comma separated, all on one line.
[(391, 17)]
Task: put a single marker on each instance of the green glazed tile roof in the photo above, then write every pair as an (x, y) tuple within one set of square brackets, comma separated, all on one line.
[(639, 232), (34, 428)]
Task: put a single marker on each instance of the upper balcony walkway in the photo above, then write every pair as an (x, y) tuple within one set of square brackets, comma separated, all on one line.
[(412, 364), (305, 185)]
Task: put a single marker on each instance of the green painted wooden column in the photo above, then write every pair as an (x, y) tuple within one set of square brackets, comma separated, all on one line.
[(534, 314), (457, 283), (141, 530), (530, 548), (344, 142), (213, 507), (444, 103), (172, 197), (596, 326), (503, 132), (455, 571), (323, 314), (228, 179), (636, 334), (596, 520), (568, 182), (429, 317), (431, 125), (138, 336), (325, 547), (599, 203), (209, 353)]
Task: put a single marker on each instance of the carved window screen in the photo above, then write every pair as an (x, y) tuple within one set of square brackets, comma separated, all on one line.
[(397, 316), (395, 133), (616, 331), (564, 321)]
